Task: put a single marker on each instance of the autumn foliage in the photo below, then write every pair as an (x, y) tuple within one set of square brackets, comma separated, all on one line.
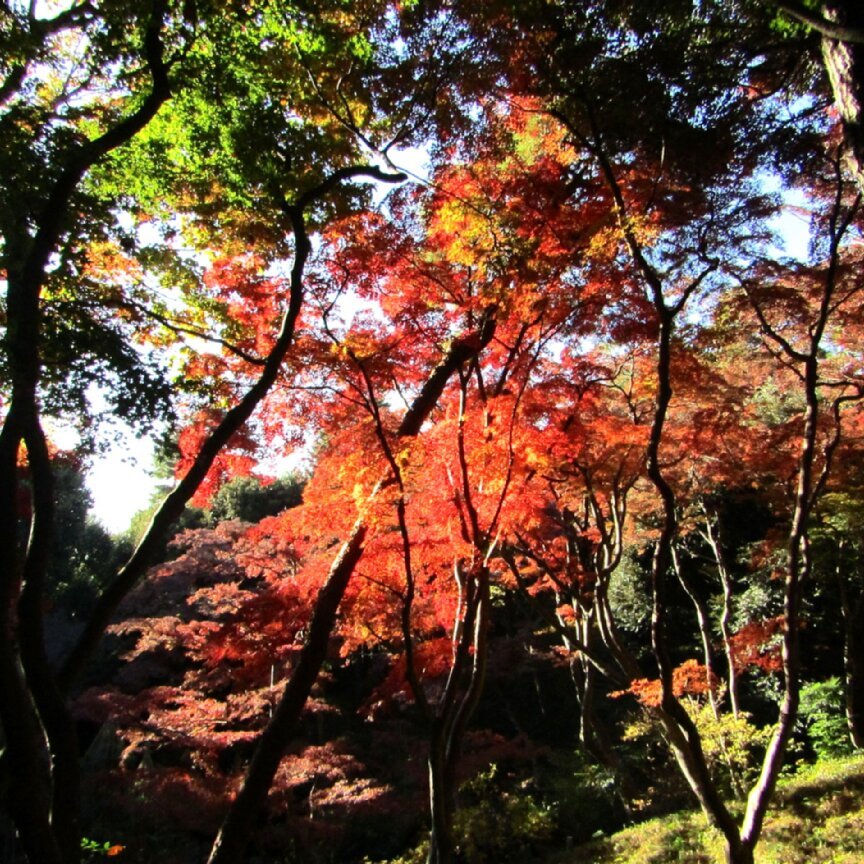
[(580, 443)]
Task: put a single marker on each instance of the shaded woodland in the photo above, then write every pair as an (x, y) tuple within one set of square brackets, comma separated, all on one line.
[(557, 305)]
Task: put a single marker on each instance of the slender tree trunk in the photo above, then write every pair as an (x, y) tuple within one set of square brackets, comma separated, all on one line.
[(458, 702), (853, 661), (798, 567), (726, 615), (622, 655), (678, 727), (593, 736), (704, 620), (679, 730)]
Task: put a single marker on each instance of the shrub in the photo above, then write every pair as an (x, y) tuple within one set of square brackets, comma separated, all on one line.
[(822, 719), (498, 822)]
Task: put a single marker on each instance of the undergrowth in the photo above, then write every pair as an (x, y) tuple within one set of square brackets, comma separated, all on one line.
[(817, 818)]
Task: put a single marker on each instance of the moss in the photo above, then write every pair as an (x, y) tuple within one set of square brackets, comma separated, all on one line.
[(817, 818)]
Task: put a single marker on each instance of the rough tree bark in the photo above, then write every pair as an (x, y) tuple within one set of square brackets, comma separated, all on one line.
[(840, 24)]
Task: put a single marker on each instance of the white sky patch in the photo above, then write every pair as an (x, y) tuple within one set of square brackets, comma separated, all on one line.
[(793, 226), (793, 222), (413, 161), (121, 482)]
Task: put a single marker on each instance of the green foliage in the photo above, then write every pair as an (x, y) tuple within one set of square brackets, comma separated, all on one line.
[(83, 555), (629, 596), (822, 717), (250, 500), (818, 819), (733, 746), (582, 795), (680, 837), (243, 498), (497, 822), (417, 855), (84, 351), (190, 518), (93, 850), (498, 819)]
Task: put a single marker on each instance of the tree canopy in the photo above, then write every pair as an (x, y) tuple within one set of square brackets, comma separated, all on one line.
[(535, 389)]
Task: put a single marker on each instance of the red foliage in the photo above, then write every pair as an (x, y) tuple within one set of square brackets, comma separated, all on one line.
[(237, 459), (691, 678), (757, 645)]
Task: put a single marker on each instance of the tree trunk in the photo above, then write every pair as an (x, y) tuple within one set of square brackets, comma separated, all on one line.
[(40, 757), (738, 853), (233, 836), (460, 698), (844, 63), (854, 679), (714, 541), (593, 736), (704, 620), (442, 799), (853, 656)]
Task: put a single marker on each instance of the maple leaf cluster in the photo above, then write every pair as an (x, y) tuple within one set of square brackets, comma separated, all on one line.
[(533, 473)]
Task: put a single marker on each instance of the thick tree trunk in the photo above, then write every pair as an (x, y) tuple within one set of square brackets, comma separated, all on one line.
[(738, 853), (844, 63), (40, 756), (26, 759), (53, 711), (442, 799)]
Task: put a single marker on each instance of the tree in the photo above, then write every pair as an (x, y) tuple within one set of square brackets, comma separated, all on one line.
[(674, 254), (83, 136), (840, 28), (544, 356)]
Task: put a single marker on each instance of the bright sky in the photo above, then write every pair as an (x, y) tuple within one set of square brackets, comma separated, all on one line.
[(120, 483)]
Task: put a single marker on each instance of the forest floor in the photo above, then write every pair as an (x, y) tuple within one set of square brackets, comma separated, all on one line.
[(817, 818)]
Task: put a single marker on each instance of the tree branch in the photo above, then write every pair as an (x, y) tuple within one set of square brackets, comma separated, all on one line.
[(820, 24)]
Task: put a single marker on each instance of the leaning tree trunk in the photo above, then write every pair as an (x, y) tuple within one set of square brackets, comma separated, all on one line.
[(233, 837)]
